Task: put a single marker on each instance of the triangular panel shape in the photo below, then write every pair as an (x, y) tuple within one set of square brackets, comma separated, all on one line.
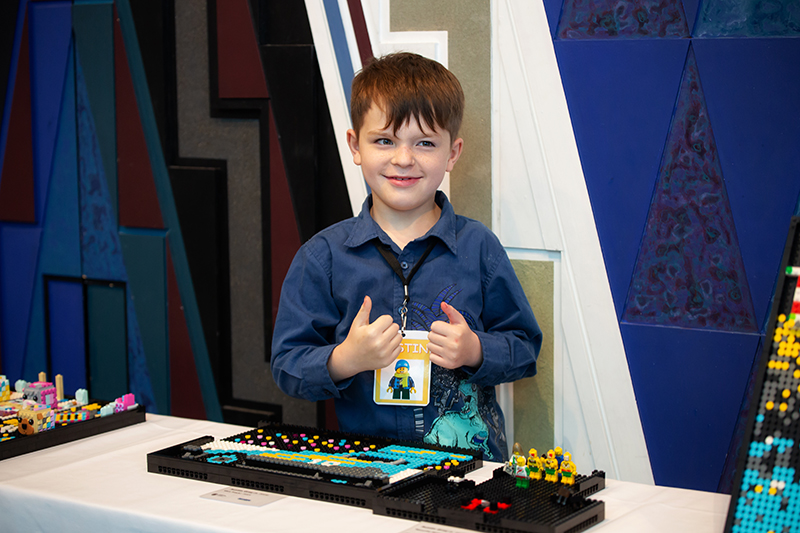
[(59, 252), (101, 250), (138, 198), (285, 236), (689, 272), (240, 74), (186, 398)]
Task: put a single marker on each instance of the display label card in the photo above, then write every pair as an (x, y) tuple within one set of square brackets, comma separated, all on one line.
[(407, 381), (242, 496), (432, 528)]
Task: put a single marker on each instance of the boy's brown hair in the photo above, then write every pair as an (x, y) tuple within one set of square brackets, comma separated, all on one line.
[(407, 85)]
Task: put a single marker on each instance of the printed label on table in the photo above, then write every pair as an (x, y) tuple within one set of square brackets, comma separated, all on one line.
[(242, 496), (432, 528)]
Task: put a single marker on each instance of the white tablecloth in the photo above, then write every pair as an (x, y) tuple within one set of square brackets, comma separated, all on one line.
[(102, 484)]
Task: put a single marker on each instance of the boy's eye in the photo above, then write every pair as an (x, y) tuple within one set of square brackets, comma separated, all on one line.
[(384, 141), (428, 144)]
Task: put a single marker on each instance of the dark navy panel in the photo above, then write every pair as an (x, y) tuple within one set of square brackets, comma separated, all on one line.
[(108, 358), (93, 24), (50, 33), (19, 247), (751, 88), (60, 246), (621, 96), (688, 384), (66, 332), (145, 262)]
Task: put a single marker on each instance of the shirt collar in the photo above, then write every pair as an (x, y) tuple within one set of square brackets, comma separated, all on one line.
[(366, 229)]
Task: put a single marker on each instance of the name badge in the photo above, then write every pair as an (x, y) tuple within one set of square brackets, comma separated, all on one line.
[(407, 381)]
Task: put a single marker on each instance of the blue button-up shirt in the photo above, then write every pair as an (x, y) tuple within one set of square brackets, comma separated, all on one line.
[(468, 268)]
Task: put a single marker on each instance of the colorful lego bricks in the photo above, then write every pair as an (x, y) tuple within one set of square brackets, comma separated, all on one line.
[(766, 490), (36, 415), (402, 479), (309, 463)]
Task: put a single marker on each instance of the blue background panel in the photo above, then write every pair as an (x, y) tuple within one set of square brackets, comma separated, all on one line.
[(751, 88), (50, 33), (59, 253), (689, 385), (19, 246), (66, 333), (145, 261), (108, 352), (621, 96)]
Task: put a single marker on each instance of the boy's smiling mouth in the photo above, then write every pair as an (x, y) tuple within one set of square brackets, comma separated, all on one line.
[(403, 179)]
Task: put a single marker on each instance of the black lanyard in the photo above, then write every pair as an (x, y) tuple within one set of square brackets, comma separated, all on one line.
[(386, 252)]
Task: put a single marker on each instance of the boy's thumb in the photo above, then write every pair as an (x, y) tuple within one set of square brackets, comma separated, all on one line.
[(452, 313), (362, 317)]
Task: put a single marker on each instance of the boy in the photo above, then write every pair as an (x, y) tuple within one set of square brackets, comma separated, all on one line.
[(406, 261)]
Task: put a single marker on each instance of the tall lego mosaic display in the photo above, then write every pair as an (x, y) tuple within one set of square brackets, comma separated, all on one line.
[(766, 493)]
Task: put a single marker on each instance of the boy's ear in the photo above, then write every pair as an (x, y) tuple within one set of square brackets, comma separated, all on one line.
[(455, 153), (352, 143)]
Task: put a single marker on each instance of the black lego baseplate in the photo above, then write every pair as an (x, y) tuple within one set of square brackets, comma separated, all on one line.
[(409, 480)]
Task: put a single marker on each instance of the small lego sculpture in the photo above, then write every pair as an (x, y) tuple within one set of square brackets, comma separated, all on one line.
[(401, 383), (522, 473), (551, 467), (35, 418), (535, 464), (568, 470)]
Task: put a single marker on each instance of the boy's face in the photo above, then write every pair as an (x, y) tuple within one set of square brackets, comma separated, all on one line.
[(402, 169)]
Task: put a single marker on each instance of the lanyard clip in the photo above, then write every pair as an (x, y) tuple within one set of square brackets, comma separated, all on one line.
[(404, 310)]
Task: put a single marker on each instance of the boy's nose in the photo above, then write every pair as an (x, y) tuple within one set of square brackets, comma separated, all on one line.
[(402, 157)]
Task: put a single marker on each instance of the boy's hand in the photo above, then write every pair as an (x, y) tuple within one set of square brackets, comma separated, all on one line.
[(454, 345), (367, 346)]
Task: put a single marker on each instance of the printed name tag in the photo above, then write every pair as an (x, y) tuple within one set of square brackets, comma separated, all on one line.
[(407, 381)]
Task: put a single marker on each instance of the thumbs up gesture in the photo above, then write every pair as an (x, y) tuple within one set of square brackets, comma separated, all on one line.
[(368, 346), (454, 344)]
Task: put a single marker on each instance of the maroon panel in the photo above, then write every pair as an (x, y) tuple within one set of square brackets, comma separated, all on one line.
[(360, 29), (186, 397), (16, 180), (138, 199), (240, 74), (285, 236)]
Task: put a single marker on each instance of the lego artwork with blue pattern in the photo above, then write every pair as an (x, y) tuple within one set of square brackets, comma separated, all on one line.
[(768, 497), (335, 457)]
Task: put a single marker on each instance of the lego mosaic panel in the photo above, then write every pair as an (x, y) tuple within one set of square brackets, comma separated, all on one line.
[(542, 494), (766, 491), (36, 415)]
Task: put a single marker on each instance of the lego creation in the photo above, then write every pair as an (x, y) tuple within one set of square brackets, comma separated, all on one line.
[(36, 415), (410, 480), (766, 490)]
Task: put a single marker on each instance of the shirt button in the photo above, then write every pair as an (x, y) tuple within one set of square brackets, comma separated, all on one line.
[(404, 265)]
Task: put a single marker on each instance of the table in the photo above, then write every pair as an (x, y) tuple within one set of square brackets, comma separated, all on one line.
[(102, 484)]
